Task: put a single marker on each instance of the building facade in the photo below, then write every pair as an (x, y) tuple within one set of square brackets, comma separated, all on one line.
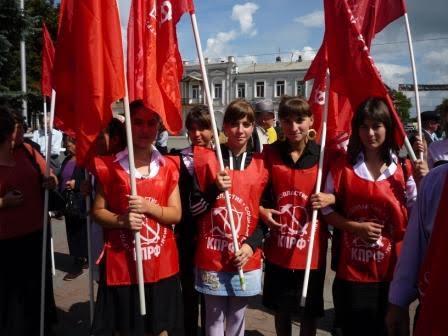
[(229, 81)]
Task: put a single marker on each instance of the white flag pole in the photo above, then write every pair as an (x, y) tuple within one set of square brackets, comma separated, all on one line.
[(216, 136), (138, 248), (23, 66), (137, 243), (309, 256), (89, 251), (414, 74), (53, 267), (45, 224)]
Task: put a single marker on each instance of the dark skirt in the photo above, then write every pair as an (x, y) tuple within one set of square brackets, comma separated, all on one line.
[(118, 309), (360, 308), (76, 227), (20, 286), (282, 291)]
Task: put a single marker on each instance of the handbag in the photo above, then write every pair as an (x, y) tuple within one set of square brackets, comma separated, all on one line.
[(73, 201)]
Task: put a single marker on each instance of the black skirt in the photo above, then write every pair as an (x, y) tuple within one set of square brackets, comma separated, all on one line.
[(118, 309), (20, 286), (282, 291), (360, 308)]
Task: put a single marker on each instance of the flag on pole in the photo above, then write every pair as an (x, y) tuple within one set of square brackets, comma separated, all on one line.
[(368, 17), (352, 71), (88, 70), (154, 65), (47, 62)]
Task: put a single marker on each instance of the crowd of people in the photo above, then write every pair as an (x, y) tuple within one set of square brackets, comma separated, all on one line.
[(377, 209)]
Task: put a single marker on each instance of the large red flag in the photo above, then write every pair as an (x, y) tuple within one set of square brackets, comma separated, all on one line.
[(369, 17), (47, 62), (154, 63), (353, 73), (88, 70)]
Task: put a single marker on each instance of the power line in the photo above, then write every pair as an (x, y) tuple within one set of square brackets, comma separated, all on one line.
[(292, 52)]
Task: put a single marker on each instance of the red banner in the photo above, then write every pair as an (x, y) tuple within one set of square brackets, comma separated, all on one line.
[(47, 62), (88, 70), (154, 63)]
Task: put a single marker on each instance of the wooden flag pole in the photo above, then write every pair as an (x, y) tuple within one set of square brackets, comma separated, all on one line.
[(216, 136), (414, 75), (45, 224), (309, 256)]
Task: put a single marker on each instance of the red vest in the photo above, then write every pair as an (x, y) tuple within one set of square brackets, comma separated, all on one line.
[(434, 276), (215, 249), (382, 202), (159, 251), (288, 247)]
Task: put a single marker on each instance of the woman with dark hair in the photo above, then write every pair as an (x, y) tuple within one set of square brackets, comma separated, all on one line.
[(217, 263), (21, 221), (293, 168), (72, 177), (199, 129), (374, 190), (153, 213)]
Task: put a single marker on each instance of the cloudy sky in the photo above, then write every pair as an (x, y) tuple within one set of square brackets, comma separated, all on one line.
[(260, 30)]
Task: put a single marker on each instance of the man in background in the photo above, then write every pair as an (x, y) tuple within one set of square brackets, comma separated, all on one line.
[(265, 121)]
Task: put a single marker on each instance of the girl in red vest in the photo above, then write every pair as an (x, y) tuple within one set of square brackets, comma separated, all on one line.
[(153, 212), (373, 190), (293, 167), (216, 262), (199, 129)]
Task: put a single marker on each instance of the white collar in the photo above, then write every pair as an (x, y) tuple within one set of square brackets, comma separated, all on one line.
[(157, 160), (360, 168)]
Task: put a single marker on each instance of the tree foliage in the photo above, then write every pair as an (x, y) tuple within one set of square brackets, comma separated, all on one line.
[(14, 25), (403, 105)]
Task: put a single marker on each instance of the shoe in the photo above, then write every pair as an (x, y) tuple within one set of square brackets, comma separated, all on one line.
[(72, 275), (83, 263)]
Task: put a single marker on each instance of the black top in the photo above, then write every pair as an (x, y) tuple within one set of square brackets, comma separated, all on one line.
[(308, 159)]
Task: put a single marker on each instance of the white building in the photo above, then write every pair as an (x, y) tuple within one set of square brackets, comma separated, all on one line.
[(229, 81)]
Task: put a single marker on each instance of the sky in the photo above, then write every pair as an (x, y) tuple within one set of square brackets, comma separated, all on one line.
[(260, 30)]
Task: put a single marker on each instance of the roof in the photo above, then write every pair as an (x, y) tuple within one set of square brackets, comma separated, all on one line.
[(274, 67)]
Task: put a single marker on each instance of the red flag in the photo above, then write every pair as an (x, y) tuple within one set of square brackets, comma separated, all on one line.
[(154, 63), (47, 62), (88, 70), (353, 73), (369, 17)]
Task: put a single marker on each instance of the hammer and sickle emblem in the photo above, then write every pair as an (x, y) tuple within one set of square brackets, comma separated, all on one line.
[(320, 97), (166, 11)]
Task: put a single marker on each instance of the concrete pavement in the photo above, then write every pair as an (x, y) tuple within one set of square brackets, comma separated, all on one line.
[(73, 302)]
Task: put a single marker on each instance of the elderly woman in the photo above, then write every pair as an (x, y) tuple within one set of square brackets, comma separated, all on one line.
[(21, 221)]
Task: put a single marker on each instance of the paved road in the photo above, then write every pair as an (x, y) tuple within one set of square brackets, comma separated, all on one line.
[(73, 305)]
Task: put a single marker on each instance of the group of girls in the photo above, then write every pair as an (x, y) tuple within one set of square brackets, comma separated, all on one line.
[(368, 192)]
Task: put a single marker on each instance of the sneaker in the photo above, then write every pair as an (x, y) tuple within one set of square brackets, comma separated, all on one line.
[(72, 275), (83, 263)]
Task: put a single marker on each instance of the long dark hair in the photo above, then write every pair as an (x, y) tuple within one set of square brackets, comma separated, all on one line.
[(8, 120), (374, 109)]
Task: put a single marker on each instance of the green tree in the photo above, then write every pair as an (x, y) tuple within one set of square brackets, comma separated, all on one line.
[(14, 25), (403, 105)]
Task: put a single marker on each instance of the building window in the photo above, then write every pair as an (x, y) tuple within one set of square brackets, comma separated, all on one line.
[(279, 88), (218, 91), (241, 90), (260, 89), (195, 91), (300, 88)]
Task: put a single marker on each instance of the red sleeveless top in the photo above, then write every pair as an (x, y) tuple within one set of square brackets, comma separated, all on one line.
[(382, 202), (288, 247), (159, 251), (215, 249)]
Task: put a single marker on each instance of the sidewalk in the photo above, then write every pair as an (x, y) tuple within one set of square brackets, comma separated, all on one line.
[(72, 299)]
